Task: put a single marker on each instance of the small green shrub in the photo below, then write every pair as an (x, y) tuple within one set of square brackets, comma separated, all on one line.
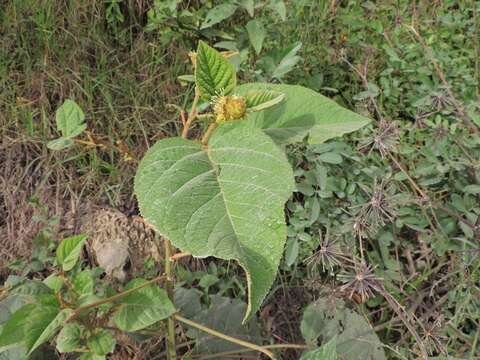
[(223, 196)]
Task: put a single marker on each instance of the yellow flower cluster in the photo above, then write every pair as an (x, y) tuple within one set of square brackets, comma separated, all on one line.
[(229, 108)]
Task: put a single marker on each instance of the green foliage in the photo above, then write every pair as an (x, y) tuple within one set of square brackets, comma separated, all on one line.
[(353, 336), (70, 337), (32, 325), (218, 14), (69, 250), (214, 75), (224, 315), (143, 307), (256, 33), (357, 193), (261, 100), (209, 201), (101, 342), (33, 312), (327, 351), (70, 122), (205, 201), (303, 112), (43, 325)]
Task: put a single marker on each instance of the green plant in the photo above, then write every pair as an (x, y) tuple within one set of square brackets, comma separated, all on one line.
[(223, 196)]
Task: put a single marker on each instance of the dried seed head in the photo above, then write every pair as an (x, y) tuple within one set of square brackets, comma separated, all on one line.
[(229, 108), (384, 138), (360, 280), (327, 256), (376, 212)]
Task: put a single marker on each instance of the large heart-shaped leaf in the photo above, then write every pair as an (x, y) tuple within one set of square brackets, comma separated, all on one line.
[(226, 200), (302, 112), (214, 75)]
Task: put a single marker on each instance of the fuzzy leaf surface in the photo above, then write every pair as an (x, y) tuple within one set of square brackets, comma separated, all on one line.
[(214, 74), (302, 112), (261, 100), (225, 201)]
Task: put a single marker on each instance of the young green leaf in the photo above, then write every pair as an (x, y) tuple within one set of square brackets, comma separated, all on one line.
[(83, 282), (218, 14), (225, 201), (256, 34), (279, 7), (248, 5), (31, 326), (69, 250), (214, 75), (303, 112), (70, 337), (143, 307), (13, 331), (54, 282), (102, 342), (261, 100), (60, 143), (43, 324), (70, 119), (287, 62)]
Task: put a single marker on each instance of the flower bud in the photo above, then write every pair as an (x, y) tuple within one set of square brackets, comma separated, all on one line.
[(229, 108)]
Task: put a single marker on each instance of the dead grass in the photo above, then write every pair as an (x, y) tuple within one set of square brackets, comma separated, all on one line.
[(121, 77)]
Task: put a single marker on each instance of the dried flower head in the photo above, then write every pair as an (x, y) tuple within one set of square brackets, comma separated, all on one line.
[(229, 108), (434, 335), (360, 280), (376, 212), (384, 138), (328, 254)]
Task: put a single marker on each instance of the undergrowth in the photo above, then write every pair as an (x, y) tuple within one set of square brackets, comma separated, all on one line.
[(386, 220)]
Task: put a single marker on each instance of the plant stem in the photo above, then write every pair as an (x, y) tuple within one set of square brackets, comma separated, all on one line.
[(240, 351), (115, 297), (178, 256), (171, 352), (192, 115), (170, 339), (209, 132), (246, 344)]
